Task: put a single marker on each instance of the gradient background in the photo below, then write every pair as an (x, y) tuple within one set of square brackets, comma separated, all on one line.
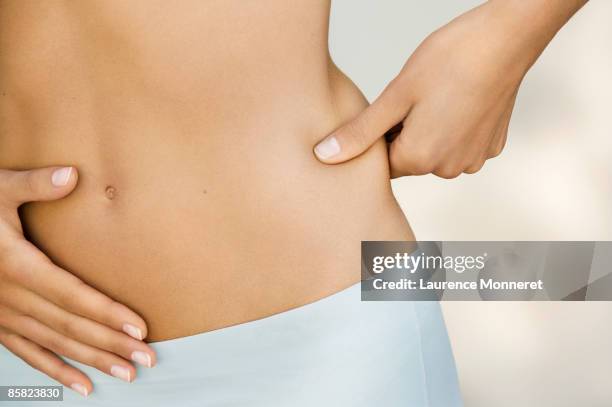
[(552, 182)]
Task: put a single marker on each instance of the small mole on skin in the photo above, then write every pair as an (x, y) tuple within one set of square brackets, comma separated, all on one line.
[(205, 191), (110, 192)]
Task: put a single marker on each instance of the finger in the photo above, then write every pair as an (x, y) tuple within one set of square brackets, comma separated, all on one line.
[(46, 362), (81, 329), (476, 166), (29, 267), (469, 158), (42, 335), (356, 136), (498, 139), (497, 142), (497, 145), (42, 184), (412, 152), (478, 161)]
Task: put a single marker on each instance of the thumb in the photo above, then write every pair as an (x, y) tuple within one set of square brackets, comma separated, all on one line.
[(356, 136), (41, 184)]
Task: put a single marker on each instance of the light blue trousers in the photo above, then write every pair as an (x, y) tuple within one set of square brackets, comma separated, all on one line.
[(338, 351)]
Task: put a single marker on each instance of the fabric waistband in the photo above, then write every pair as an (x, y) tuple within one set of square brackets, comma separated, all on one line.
[(336, 351)]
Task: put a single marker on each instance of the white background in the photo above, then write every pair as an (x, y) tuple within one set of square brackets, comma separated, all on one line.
[(553, 182)]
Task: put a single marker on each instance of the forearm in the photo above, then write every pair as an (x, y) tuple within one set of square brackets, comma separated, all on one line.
[(531, 25)]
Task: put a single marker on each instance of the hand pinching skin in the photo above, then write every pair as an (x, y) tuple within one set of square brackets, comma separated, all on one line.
[(449, 108)]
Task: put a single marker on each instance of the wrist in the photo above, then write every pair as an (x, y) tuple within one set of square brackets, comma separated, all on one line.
[(529, 26)]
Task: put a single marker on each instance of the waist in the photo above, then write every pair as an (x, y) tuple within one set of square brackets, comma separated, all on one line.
[(198, 227)]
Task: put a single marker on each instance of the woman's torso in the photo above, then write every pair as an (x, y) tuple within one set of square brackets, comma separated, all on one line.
[(200, 203)]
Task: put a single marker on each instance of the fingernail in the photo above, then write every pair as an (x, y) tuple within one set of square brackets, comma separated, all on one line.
[(79, 388), (142, 358), (60, 177), (133, 331), (327, 148), (121, 372)]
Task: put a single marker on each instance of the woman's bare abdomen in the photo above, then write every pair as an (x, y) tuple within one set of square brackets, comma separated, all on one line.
[(200, 203)]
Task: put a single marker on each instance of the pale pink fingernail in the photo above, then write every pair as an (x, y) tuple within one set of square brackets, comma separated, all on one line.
[(133, 331), (141, 357), (327, 148), (60, 177), (121, 372), (79, 388)]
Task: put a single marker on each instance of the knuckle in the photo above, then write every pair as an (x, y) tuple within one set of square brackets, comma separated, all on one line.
[(5, 320), (59, 370), (4, 336), (114, 311), (30, 182), (102, 309), (496, 151), (28, 308), (356, 131), (422, 163), (118, 345), (100, 361), (56, 344), (448, 172), (70, 298), (424, 160), (114, 306), (66, 299), (474, 168), (413, 161), (422, 167), (70, 327), (26, 323), (8, 338), (4, 333)]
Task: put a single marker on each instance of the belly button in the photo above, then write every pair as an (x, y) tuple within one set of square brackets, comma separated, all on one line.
[(110, 192)]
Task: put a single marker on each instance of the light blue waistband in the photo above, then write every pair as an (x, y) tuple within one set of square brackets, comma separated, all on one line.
[(338, 351)]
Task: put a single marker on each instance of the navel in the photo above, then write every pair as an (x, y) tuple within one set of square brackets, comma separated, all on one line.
[(110, 192)]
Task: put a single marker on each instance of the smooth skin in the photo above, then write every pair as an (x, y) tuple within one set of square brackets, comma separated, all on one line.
[(449, 109), (454, 98), (46, 311)]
